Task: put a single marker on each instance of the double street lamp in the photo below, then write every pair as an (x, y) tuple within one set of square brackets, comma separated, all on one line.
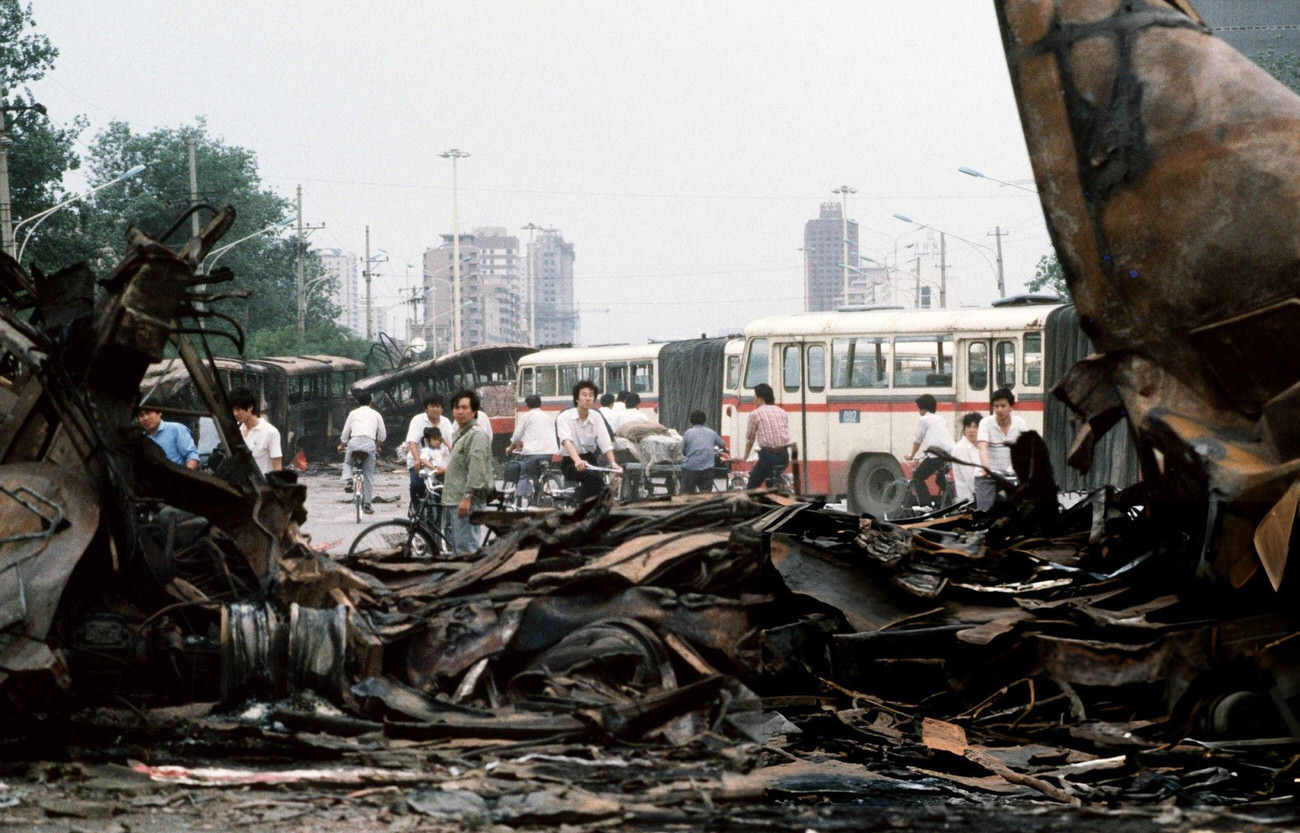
[(213, 256), (37, 219), (454, 155), (943, 256)]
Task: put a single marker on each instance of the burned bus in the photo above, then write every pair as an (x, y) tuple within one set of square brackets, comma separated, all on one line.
[(306, 397), (491, 370)]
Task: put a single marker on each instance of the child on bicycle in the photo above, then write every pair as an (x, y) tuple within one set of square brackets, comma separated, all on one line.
[(433, 458), (434, 452)]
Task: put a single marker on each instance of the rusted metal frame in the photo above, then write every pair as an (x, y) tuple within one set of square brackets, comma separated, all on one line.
[(50, 523)]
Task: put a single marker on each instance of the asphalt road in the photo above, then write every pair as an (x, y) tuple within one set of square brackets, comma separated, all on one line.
[(331, 518)]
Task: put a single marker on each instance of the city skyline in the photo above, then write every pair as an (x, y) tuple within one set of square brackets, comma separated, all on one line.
[(681, 148)]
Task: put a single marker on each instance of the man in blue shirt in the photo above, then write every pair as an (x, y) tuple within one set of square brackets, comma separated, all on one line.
[(172, 437), (700, 446)]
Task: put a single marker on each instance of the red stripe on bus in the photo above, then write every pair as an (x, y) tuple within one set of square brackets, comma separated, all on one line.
[(887, 406)]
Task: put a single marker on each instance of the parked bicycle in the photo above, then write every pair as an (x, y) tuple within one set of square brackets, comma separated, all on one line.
[(418, 536)]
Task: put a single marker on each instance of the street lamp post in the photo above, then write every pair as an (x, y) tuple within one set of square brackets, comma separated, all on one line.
[(454, 155), (429, 274), (531, 269), (210, 261), (37, 219), (943, 258), (844, 191), (978, 175)]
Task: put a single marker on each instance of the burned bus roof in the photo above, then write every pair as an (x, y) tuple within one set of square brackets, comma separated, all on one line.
[(496, 362)]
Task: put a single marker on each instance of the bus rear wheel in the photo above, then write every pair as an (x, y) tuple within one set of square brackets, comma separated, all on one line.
[(871, 485)]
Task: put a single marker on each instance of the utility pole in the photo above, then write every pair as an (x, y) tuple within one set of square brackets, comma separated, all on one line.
[(1002, 284), (844, 192), (369, 313), (943, 270), (531, 269), (302, 264), (194, 190), (6, 215), (6, 207)]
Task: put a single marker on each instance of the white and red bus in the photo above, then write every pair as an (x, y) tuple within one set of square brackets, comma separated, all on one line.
[(849, 381), (672, 378)]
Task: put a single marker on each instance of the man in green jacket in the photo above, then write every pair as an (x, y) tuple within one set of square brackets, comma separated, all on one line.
[(468, 482)]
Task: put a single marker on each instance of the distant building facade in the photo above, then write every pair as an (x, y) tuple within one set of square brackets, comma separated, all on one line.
[(341, 267), (491, 291), (824, 272), (555, 309)]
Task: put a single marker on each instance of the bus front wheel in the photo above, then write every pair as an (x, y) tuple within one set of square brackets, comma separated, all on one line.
[(870, 483)]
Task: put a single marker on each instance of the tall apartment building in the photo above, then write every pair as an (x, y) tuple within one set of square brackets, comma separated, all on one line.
[(491, 291), (342, 267), (555, 310), (823, 243)]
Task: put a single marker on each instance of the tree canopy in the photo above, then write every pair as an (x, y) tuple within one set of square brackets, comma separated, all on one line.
[(93, 228), (1048, 275), (40, 152)]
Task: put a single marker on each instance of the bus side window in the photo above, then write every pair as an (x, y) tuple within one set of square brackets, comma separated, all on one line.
[(733, 372), (756, 364), (923, 361), (817, 367), (1033, 359), (643, 377), (791, 377), (616, 376), (546, 380), (1005, 362), (861, 362), (568, 378), (526, 382), (977, 366)]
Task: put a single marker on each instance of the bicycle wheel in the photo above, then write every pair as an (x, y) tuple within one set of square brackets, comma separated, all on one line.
[(396, 539), (357, 495)]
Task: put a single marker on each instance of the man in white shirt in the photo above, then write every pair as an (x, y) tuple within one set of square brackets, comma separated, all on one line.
[(583, 437), (430, 417), (614, 413), (967, 450), (261, 437), (632, 414), (932, 432), (363, 431), (996, 434), (534, 439)]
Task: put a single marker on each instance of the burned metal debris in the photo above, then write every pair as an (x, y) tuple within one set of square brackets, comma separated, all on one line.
[(1151, 140), (675, 654)]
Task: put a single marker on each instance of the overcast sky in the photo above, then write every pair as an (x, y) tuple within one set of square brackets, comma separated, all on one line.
[(679, 146)]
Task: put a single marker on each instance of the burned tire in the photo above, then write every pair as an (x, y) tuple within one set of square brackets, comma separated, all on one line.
[(871, 485), (396, 540)]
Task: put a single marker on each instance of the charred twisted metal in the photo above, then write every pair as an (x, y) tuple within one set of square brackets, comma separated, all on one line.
[(1151, 140)]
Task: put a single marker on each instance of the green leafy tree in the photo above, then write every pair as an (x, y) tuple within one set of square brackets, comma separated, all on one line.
[(1049, 276), (325, 339), (39, 152), (264, 264)]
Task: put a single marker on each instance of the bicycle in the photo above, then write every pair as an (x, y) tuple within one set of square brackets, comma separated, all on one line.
[(417, 537), (905, 502), (357, 460)]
